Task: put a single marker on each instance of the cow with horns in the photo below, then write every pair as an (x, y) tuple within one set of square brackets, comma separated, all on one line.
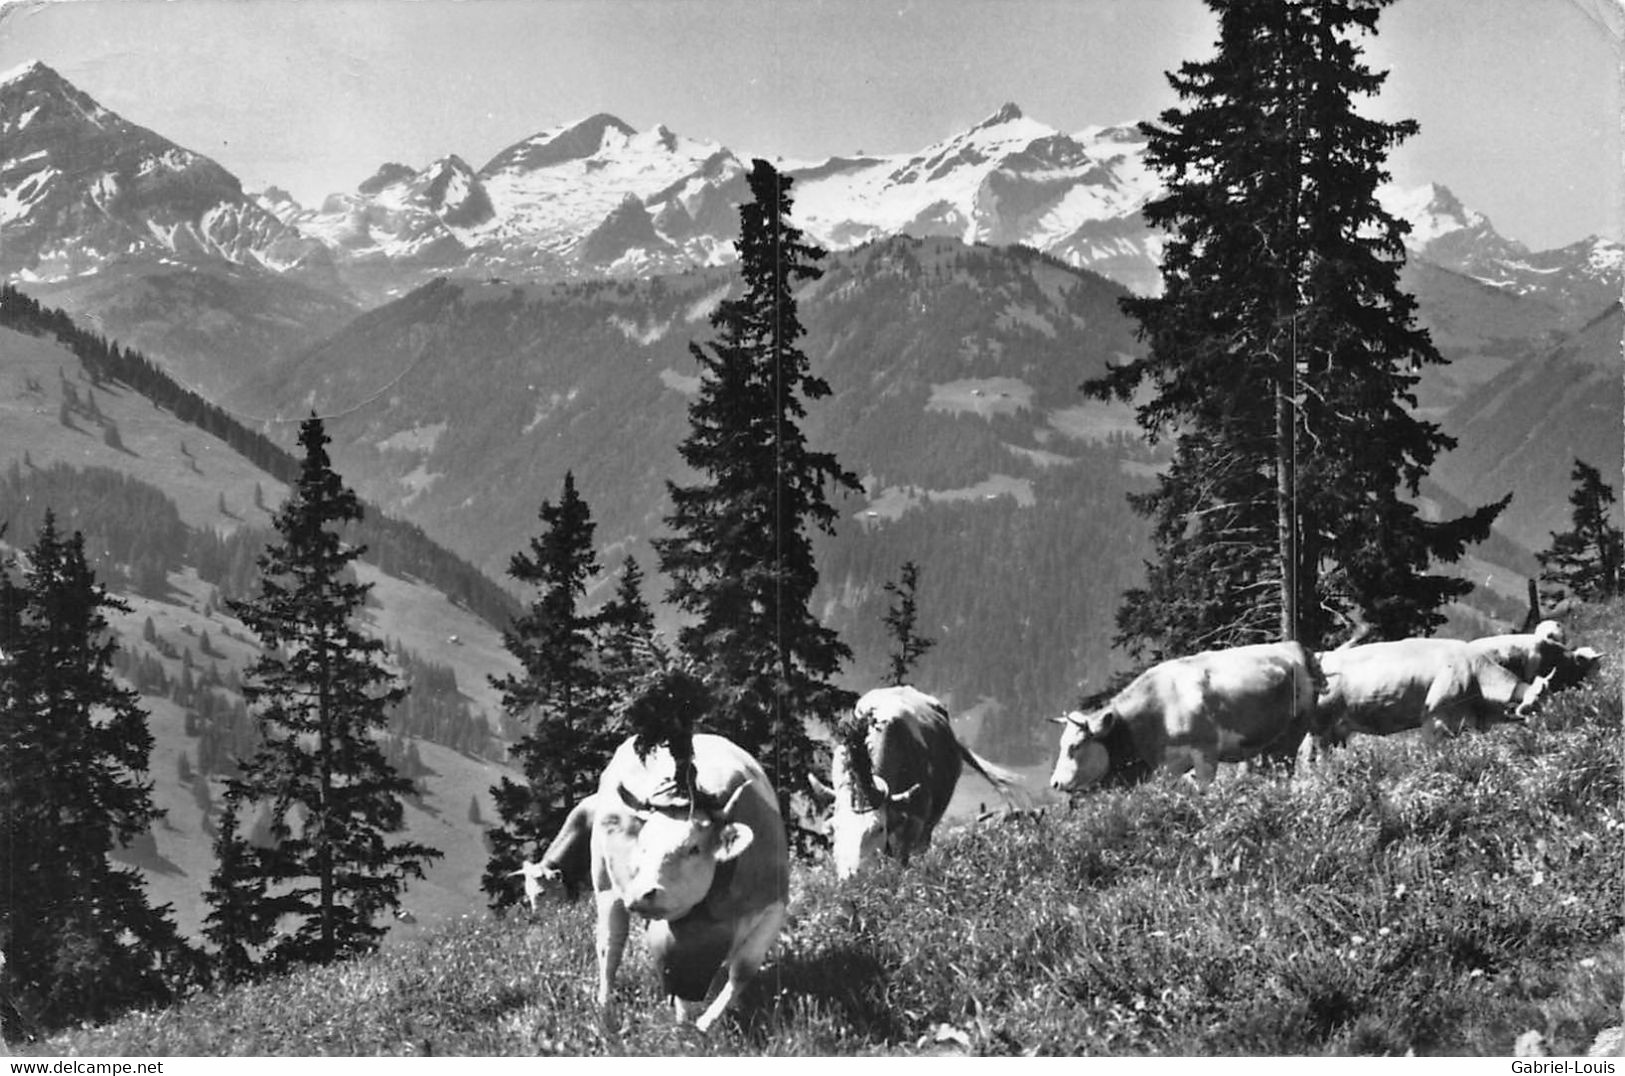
[(1188, 714), (686, 832), (894, 766), (568, 859)]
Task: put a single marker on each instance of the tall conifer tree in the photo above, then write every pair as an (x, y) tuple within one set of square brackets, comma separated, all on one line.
[(560, 692), (1282, 354), (79, 937), (740, 556), (322, 700)]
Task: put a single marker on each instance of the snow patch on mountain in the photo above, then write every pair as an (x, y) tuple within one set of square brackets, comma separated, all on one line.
[(706, 305), (16, 202), (636, 333), (415, 439)]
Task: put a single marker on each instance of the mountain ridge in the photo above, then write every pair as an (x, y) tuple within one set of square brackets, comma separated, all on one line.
[(525, 214)]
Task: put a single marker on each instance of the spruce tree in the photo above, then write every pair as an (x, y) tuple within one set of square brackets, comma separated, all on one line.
[(740, 554), (901, 620), (1282, 355), (322, 698), (79, 937), (242, 918), (560, 693), (624, 631), (1586, 561)]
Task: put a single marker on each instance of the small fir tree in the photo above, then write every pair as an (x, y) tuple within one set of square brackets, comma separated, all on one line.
[(322, 698), (901, 620), (560, 693), (1586, 562), (242, 917)]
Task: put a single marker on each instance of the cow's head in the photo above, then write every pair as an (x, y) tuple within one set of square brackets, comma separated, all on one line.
[(665, 854), (1083, 759), (866, 816), (534, 874)]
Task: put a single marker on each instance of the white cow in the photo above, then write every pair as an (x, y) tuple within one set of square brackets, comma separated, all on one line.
[(705, 860), (567, 860), (1437, 685), (892, 775), (1191, 713), (1540, 654)]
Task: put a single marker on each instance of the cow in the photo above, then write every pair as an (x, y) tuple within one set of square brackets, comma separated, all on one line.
[(1188, 714), (1437, 685), (568, 859), (1540, 653), (892, 772), (697, 846)]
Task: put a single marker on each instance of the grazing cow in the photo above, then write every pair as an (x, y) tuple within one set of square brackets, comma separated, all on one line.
[(699, 849), (1437, 685), (894, 768), (568, 859), (1191, 713), (1532, 655)]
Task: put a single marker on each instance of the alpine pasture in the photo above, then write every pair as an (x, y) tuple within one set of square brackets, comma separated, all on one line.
[(1396, 898)]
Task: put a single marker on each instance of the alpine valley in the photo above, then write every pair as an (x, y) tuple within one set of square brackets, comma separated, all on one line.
[(471, 334)]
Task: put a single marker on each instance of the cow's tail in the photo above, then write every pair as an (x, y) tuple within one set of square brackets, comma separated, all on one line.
[(1008, 782)]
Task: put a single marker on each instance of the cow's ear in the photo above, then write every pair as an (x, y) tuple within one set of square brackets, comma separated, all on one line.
[(1100, 722), (732, 840), (640, 807)]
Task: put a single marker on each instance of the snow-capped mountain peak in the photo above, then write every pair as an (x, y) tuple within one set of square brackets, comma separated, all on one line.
[(82, 185), (1432, 210), (79, 185), (1579, 277)]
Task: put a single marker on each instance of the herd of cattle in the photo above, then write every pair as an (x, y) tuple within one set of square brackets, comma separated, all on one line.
[(695, 843)]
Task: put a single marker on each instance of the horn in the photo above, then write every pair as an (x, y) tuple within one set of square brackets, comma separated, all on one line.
[(733, 799), (819, 789), (907, 793)]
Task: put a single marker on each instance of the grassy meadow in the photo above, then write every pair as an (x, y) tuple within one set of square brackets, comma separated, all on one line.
[(1398, 898)]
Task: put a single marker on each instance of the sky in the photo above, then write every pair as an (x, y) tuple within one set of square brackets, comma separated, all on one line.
[(1519, 101)]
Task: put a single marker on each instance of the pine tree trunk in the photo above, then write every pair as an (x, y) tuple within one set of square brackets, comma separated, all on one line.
[(324, 855), (1285, 518)]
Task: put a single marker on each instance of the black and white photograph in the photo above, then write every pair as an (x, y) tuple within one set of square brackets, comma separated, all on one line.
[(823, 528)]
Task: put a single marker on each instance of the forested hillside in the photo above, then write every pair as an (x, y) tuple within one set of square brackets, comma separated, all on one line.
[(174, 518), (954, 371)]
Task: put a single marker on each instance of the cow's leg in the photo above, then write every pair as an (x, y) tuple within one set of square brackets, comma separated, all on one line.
[(1449, 703), (750, 948), (613, 921), (1528, 695), (1203, 769)]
